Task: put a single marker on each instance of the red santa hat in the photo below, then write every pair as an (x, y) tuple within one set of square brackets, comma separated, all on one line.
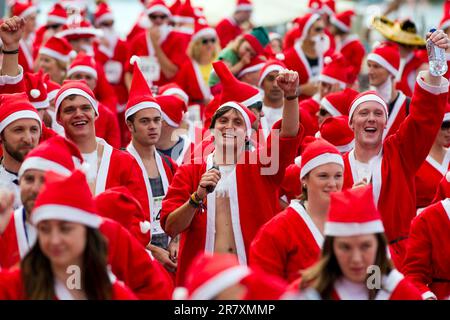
[(352, 212), (447, 113), (387, 55), (83, 63), (270, 66), (23, 9), (174, 7), (209, 275), (365, 97), (157, 6), (445, 21), (335, 70), (337, 132), (317, 153), (172, 109), (258, 38), (172, 89), (57, 15), (305, 23), (443, 190), (329, 7), (185, 13), (249, 117), (233, 89), (58, 48), (103, 13), (315, 6), (66, 198), (77, 87), (255, 65), (118, 204), (52, 87), (203, 30), (77, 28), (343, 20), (243, 5), (338, 103), (55, 154), (140, 96), (14, 107), (36, 90)]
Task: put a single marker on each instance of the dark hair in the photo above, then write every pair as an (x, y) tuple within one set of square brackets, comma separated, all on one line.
[(218, 114), (38, 278), (322, 275)]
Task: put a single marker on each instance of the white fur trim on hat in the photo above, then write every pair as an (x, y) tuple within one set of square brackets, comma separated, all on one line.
[(141, 106), (365, 98), (252, 100), (342, 229), (105, 17), (66, 213), (220, 282), (81, 30), (446, 117), (52, 94), (383, 62), (41, 104), (23, 114), (54, 54), (324, 158), (236, 106), (211, 32), (78, 92), (178, 92), (253, 68), (28, 11), (35, 93), (169, 121), (346, 147), (43, 164), (158, 8), (56, 19), (86, 69), (314, 17), (328, 79), (244, 7), (329, 107), (269, 69), (342, 26)]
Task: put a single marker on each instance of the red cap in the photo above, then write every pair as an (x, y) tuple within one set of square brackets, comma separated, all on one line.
[(243, 5), (269, 66), (77, 87), (23, 9), (57, 15), (387, 55), (173, 89), (83, 63), (317, 153), (14, 107), (185, 13), (343, 20), (103, 13), (255, 65), (337, 132), (157, 6), (57, 48), (172, 109), (36, 89), (338, 103), (335, 70)]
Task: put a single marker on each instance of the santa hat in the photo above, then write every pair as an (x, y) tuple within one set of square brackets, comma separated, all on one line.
[(103, 13), (255, 65), (315, 6), (76, 87), (52, 87), (445, 21), (14, 107), (55, 154), (335, 70), (57, 15), (209, 275), (343, 20), (305, 23), (243, 5), (329, 7), (140, 96), (249, 117), (365, 97), (443, 190), (83, 63), (58, 48), (118, 204), (258, 38), (233, 89), (172, 109), (36, 90), (447, 113), (387, 55), (23, 9), (317, 153), (185, 13), (202, 30), (337, 132), (66, 198), (174, 7), (270, 66), (275, 36), (77, 28), (157, 6), (352, 212), (172, 89), (338, 103)]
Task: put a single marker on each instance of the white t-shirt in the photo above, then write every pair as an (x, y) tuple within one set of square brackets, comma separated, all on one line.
[(91, 159)]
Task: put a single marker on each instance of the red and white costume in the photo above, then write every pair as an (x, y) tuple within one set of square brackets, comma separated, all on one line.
[(408, 74), (227, 30)]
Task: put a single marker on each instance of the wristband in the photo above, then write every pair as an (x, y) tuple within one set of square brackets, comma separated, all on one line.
[(11, 51), (297, 94), (193, 200)]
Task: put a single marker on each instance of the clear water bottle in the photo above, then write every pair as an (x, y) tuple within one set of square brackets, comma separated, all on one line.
[(436, 58)]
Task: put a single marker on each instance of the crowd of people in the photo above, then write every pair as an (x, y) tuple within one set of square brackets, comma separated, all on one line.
[(191, 161)]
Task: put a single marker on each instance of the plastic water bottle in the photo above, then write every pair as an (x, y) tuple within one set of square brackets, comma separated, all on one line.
[(436, 58)]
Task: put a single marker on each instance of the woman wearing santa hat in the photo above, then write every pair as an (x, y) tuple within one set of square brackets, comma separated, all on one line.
[(69, 258), (354, 263), (291, 241), (54, 58)]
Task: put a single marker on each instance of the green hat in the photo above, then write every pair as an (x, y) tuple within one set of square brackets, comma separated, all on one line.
[(258, 39)]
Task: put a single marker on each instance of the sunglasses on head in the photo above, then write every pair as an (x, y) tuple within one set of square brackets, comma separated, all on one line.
[(206, 41), (157, 16), (445, 125), (323, 112), (257, 105)]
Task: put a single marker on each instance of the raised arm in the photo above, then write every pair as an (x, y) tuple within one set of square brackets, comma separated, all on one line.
[(11, 31)]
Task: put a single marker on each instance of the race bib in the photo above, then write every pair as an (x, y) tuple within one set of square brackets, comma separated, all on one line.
[(150, 68), (113, 71), (156, 215)]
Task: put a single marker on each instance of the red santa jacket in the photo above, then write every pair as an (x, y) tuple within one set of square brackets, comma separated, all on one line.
[(353, 51), (395, 167), (428, 178), (227, 30), (190, 79), (427, 262), (397, 115), (286, 244), (9, 84), (311, 105), (249, 184), (408, 76), (107, 126), (293, 34), (291, 186), (25, 57)]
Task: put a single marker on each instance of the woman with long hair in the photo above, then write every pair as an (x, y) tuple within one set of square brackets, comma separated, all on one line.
[(69, 258), (291, 241), (354, 264)]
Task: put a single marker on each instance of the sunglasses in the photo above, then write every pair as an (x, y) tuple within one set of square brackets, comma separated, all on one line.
[(157, 16), (53, 26), (323, 112), (445, 125), (318, 29), (257, 105), (106, 24), (206, 41)]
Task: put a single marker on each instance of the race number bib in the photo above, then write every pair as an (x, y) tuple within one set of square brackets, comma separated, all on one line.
[(150, 68), (156, 215), (113, 71)]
